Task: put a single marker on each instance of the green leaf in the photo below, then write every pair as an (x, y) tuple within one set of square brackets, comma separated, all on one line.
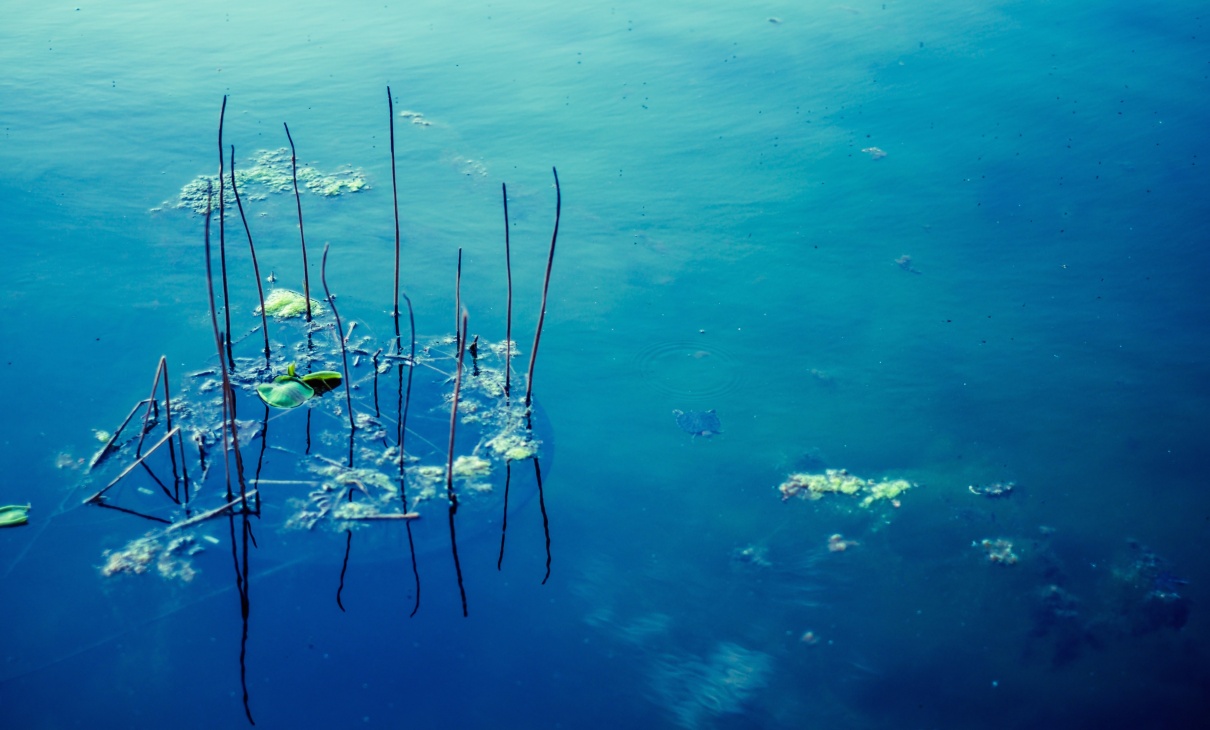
[(322, 381), (14, 514), (285, 392)]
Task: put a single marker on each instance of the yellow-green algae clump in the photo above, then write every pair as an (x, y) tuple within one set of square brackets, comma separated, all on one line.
[(285, 304), (269, 173), (840, 481), (471, 466), (513, 447), (171, 560)]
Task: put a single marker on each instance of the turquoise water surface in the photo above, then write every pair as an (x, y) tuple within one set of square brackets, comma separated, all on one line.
[(957, 244)]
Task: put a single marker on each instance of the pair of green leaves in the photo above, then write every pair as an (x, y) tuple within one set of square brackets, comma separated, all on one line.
[(291, 390)]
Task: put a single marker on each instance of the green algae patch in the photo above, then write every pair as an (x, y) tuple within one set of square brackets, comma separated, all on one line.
[(269, 173), (287, 304), (839, 481), (889, 490), (815, 486), (469, 467), (512, 447)]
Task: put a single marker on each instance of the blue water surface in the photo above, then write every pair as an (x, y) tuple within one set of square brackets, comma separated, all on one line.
[(949, 242)]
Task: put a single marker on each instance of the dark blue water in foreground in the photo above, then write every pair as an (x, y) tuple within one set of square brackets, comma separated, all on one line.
[(741, 186)]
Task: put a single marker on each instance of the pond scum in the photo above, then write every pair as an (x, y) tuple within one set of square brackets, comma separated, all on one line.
[(331, 431)]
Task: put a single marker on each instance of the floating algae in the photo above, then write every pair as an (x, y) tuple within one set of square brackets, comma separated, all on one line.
[(470, 466), (287, 304), (172, 559), (268, 174), (840, 481)]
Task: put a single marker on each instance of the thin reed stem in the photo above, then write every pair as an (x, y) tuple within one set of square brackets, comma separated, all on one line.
[(458, 305), (260, 289), (508, 317), (229, 427), (395, 201), (449, 465), (301, 236), (550, 260), (402, 406), (545, 519), (344, 352), (222, 238)]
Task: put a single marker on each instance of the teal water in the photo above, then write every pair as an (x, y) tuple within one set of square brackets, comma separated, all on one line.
[(725, 244)]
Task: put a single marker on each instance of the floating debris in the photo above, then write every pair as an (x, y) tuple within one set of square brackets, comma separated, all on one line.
[(999, 551), (755, 555), (905, 262), (172, 560), (840, 481), (994, 490), (64, 460), (837, 543), (875, 153), (415, 118)]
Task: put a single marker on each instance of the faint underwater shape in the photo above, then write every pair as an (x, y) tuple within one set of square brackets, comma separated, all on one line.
[(695, 691), (698, 423), (644, 628), (751, 555)]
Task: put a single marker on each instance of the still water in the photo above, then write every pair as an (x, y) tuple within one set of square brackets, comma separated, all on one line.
[(951, 245)]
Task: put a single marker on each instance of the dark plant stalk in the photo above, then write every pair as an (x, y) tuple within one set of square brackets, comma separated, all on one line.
[(449, 465), (395, 201), (344, 567), (550, 260), (374, 360), (508, 317), (109, 447), (179, 439), (545, 521), (260, 289), (137, 462), (131, 512), (161, 372), (402, 406), (458, 306), (222, 238), (302, 237), (245, 607), (344, 352), (229, 429), (508, 473)]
